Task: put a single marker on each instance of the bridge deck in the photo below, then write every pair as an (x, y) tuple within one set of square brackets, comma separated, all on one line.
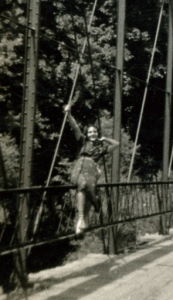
[(146, 275)]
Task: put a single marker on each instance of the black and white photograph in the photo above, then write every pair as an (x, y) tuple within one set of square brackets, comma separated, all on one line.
[(86, 150)]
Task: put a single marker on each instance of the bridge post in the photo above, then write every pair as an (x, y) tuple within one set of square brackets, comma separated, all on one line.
[(3, 175), (117, 112), (167, 114), (27, 128)]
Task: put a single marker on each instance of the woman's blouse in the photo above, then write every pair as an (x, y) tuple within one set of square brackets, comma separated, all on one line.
[(94, 149)]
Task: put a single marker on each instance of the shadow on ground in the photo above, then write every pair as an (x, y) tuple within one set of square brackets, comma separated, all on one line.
[(104, 273)]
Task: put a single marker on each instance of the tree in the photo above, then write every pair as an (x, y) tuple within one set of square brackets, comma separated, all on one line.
[(62, 32)]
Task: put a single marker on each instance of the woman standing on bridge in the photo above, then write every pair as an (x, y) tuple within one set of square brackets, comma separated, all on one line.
[(86, 171)]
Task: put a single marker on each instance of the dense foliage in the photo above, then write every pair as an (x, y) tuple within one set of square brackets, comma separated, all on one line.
[(62, 32), (61, 37)]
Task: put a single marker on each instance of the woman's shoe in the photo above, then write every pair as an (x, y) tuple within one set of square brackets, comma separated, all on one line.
[(80, 226)]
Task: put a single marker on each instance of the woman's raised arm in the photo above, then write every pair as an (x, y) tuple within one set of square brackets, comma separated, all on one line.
[(78, 133), (112, 143)]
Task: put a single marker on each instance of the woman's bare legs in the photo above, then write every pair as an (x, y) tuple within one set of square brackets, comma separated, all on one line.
[(81, 200), (83, 207)]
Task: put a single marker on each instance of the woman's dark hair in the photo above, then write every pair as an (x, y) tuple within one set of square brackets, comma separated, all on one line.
[(91, 125)]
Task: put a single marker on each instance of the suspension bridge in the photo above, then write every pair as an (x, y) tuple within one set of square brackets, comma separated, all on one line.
[(29, 214)]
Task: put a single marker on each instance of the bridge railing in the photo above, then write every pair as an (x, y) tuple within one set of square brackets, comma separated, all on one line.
[(119, 203)]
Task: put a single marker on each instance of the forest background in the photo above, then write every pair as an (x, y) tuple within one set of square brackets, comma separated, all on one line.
[(62, 32), (61, 36)]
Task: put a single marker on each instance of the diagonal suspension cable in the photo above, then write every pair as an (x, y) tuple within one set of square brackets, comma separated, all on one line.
[(40, 209), (95, 94), (99, 124), (145, 92), (16, 23), (170, 164)]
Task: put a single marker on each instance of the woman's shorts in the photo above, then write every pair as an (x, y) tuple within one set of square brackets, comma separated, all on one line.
[(85, 174)]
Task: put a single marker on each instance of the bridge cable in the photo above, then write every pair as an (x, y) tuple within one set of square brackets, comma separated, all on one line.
[(136, 78), (145, 92), (170, 164), (94, 88), (40, 209), (16, 23), (99, 126)]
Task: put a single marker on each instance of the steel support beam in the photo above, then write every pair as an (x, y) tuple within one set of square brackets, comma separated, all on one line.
[(3, 175), (168, 95), (29, 94), (167, 114), (118, 88), (117, 109), (28, 116)]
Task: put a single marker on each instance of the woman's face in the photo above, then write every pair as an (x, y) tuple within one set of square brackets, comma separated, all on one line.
[(92, 133)]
